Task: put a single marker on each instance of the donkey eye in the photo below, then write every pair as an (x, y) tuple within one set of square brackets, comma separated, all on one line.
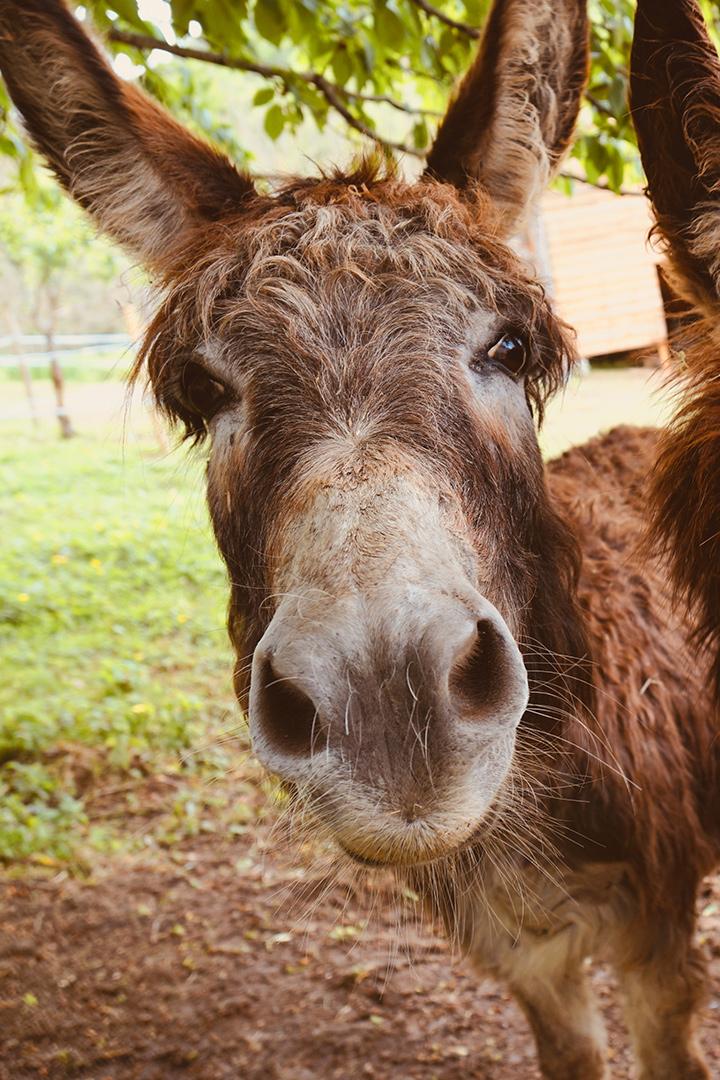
[(201, 392), (510, 352)]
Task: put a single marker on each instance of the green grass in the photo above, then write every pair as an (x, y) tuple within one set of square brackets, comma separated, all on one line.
[(114, 661)]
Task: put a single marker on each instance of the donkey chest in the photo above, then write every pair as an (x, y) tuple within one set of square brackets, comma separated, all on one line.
[(520, 925)]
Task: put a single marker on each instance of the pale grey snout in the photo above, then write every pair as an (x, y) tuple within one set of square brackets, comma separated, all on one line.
[(342, 682)]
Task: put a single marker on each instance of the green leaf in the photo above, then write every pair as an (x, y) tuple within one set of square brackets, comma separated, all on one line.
[(274, 121), (127, 10), (476, 11), (615, 167), (420, 135), (389, 27), (222, 22), (618, 95), (182, 12), (262, 97), (302, 21), (341, 65), (269, 20)]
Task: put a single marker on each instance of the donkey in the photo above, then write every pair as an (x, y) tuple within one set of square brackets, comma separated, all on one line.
[(675, 88), (462, 667)]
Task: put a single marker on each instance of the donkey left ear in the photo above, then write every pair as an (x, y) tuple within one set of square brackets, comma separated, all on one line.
[(513, 116), (146, 180)]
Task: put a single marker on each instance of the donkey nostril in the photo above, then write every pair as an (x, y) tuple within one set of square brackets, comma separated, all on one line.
[(478, 679), (284, 713)]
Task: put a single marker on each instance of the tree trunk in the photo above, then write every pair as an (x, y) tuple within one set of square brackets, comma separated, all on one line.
[(48, 293), (24, 368), (66, 428)]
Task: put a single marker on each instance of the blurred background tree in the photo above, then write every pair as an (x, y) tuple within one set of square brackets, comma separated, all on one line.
[(49, 247), (378, 70), (50, 265)]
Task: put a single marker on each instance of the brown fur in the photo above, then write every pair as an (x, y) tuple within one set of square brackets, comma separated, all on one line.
[(338, 314), (676, 111)]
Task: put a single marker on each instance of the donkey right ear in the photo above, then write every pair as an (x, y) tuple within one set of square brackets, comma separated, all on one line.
[(513, 116), (146, 180), (675, 103)]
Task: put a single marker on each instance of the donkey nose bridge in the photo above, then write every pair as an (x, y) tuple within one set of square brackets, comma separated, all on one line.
[(321, 683)]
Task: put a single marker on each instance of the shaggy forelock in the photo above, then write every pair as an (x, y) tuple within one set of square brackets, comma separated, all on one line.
[(329, 269)]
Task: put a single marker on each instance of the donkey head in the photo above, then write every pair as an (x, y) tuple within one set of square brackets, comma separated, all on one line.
[(675, 84), (365, 357)]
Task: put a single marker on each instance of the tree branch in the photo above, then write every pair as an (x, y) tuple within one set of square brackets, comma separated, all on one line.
[(383, 99), (332, 93), (599, 105), (146, 42), (332, 96), (464, 28), (602, 187), (336, 96)]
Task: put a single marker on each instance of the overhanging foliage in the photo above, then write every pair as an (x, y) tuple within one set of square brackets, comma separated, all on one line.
[(382, 68)]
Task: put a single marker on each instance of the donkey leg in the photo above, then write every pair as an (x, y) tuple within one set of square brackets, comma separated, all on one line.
[(568, 1030), (661, 1002)]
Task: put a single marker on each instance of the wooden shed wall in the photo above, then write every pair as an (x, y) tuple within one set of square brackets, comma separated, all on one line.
[(604, 275)]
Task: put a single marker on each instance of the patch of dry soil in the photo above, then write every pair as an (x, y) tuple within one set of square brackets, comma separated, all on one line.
[(191, 967)]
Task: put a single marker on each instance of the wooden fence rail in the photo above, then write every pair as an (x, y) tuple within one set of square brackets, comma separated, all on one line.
[(25, 356)]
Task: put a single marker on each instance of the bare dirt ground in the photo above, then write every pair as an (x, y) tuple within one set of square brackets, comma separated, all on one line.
[(190, 966)]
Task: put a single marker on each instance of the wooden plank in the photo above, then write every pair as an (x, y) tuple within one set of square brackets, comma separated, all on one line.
[(605, 278)]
